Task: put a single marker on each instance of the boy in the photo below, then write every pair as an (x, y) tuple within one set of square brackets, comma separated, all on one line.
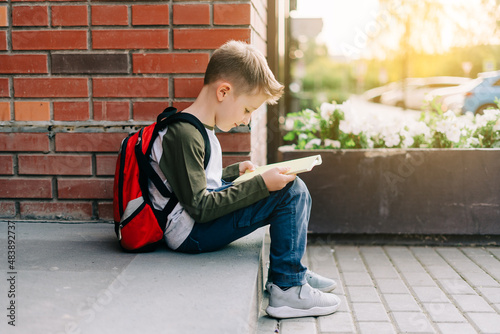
[(212, 212)]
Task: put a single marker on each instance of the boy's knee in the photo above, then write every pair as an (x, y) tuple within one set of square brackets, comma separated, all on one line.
[(299, 188)]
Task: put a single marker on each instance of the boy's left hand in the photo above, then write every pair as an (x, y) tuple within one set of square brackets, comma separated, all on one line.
[(246, 165)]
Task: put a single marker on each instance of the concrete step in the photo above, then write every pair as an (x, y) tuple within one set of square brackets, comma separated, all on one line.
[(73, 278)]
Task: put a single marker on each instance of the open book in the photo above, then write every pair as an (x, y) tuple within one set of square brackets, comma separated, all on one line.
[(296, 166)]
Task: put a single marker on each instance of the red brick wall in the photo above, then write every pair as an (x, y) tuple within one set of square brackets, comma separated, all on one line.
[(76, 78)]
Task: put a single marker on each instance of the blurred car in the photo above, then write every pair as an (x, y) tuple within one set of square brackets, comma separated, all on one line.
[(417, 90), (484, 94), (374, 94), (449, 98)]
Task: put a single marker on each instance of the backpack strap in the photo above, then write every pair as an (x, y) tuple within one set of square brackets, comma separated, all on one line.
[(168, 116)]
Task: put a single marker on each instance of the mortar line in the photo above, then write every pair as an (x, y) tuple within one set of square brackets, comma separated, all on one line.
[(372, 277), (446, 293), (410, 287)]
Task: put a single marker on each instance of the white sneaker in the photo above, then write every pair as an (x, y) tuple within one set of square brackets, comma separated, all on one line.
[(319, 282), (316, 281), (300, 301)]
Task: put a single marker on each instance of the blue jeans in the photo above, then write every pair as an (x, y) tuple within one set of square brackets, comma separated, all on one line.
[(287, 212)]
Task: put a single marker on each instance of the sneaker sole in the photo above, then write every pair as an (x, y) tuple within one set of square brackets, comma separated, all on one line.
[(327, 289), (289, 312)]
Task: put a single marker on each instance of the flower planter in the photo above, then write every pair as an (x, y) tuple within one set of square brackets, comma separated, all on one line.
[(404, 191)]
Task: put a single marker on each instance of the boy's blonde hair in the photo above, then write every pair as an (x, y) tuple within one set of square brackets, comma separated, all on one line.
[(245, 68)]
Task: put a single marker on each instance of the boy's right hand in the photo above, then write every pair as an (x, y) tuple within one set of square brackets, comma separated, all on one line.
[(276, 179)]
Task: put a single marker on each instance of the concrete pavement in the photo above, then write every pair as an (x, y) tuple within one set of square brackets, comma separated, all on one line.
[(73, 278)]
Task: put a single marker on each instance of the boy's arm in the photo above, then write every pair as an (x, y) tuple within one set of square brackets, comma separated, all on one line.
[(182, 165), (231, 172)]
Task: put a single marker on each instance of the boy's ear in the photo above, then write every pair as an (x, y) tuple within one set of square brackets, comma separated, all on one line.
[(223, 90)]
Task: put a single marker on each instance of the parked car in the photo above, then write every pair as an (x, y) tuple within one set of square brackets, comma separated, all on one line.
[(483, 95), (417, 89), (374, 94), (450, 98)]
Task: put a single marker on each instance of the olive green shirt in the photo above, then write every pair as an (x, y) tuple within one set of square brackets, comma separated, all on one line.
[(182, 165)]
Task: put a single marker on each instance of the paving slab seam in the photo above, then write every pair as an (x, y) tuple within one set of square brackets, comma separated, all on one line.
[(380, 295), (449, 295), (443, 288), (423, 310)]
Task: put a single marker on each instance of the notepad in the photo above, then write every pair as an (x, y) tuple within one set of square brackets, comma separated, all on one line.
[(296, 166)]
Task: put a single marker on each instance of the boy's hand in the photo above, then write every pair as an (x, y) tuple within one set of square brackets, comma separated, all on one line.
[(246, 165), (276, 179)]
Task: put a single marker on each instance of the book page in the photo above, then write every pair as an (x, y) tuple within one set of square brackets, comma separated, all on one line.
[(296, 166)]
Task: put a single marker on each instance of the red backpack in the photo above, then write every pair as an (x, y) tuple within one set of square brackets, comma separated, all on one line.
[(138, 225)]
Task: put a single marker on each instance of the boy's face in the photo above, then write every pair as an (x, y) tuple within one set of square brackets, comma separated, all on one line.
[(237, 109)]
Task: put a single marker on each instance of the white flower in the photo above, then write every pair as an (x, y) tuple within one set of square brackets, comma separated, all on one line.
[(408, 140), (453, 134), (496, 127), (327, 110), (471, 142), (312, 142), (392, 140), (332, 143)]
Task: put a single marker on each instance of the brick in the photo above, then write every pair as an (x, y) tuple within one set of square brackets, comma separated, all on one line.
[(30, 16), (148, 110), (7, 209), (472, 303), (23, 63), (111, 111), (340, 322), (444, 312), (207, 38), (6, 165), (370, 312), (3, 40), (116, 15), (56, 210), (412, 322), (150, 15), (170, 62), (130, 39), (181, 105), (25, 188), (49, 40), (85, 188), (3, 16), (235, 142), (232, 159), (31, 111), (105, 210), (89, 142), (401, 302), (24, 141), (105, 164), (130, 87), (89, 63), (55, 164), (486, 322), (198, 14), (71, 111), (4, 111), (232, 14), (50, 87), (4, 87), (187, 87), (376, 327), (69, 15), (363, 294)]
